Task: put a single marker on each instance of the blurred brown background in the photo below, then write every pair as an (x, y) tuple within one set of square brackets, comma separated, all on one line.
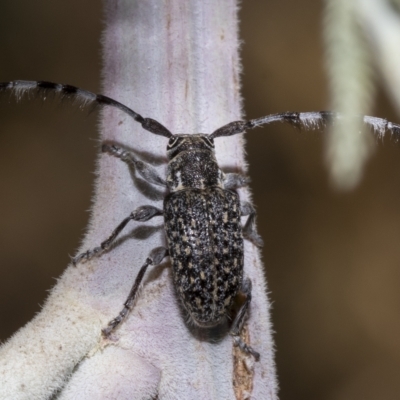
[(332, 259)]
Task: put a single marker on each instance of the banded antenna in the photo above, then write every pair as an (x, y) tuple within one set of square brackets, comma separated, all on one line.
[(42, 88), (307, 120)]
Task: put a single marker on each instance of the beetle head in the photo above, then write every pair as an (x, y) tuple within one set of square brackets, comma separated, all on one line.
[(184, 142)]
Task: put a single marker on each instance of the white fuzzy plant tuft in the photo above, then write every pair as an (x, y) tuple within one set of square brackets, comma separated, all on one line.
[(361, 37), (176, 62)]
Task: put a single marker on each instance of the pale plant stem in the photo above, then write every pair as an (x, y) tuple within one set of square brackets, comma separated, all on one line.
[(176, 62)]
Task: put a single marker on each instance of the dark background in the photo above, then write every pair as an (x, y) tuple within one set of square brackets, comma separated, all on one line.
[(332, 259)]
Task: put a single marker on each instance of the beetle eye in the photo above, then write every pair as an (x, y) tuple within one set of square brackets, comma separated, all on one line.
[(172, 142), (208, 141)]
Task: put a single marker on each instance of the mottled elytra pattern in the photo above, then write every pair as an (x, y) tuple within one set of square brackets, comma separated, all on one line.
[(206, 247)]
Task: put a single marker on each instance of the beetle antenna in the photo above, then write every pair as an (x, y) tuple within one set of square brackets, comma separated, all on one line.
[(84, 97), (308, 120)]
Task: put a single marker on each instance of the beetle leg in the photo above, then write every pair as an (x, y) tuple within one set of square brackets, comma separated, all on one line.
[(144, 169), (155, 258), (235, 181), (239, 322), (142, 214), (249, 229)]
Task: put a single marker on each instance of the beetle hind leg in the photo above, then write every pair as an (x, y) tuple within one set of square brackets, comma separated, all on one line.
[(238, 323), (154, 258)]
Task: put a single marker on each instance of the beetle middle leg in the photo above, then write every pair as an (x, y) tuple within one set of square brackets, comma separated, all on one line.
[(249, 229), (238, 323), (142, 214), (155, 257)]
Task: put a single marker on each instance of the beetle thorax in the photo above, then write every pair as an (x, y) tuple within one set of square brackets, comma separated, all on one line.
[(192, 163)]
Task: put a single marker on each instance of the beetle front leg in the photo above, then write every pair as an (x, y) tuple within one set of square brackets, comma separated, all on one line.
[(141, 214), (155, 258), (144, 169), (234, 181), (238, 323), (249, 229)]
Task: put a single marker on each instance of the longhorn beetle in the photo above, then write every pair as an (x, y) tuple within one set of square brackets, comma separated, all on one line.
[(202, 211)]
